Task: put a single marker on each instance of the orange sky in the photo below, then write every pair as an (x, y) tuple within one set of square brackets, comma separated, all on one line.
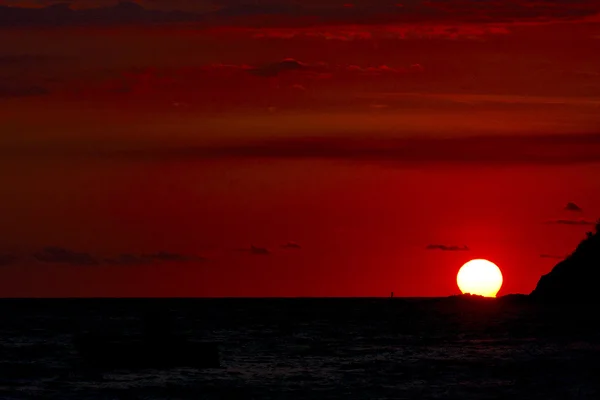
[(363, 139)]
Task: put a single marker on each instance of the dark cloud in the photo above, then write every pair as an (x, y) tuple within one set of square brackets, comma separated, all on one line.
[(61, 14), (255, 250), (219, 79), (291, 245), (367, 31), (553, 149), (126, 259), (447, 248), (318, 69), (264, 13), (481, 150), (571, 222), (64, 256), (172, 257), (259, 250), (573, 207), (244, 9), (7, 259), (268, 13), (27, 59), (275, 69), (8, 89)]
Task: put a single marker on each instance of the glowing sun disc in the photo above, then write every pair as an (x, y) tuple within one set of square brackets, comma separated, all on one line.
[(479, 277)]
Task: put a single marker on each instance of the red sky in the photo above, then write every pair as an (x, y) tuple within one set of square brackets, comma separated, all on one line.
[(361, 133)]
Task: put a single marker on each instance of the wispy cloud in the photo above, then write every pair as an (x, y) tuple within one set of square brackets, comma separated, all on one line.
[(61, 14), (573, 207), (570, 222), (255, 250), (19, 59), (483, 150), (7, 259), (15, 89), (64, 256), (172, 257), (268, 13), (126, 259), (291, 245), (447, 248), (217, 77), (476, 150), (59, 255), (259, 250), (275, 69)]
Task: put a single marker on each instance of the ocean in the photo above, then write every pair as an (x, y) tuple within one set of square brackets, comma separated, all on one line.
[(446, 348)]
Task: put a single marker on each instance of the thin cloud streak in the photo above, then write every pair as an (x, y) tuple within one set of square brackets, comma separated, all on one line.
[(570, 222), (7, 259), (60, 255), (444, 247), (557, 149), (255, 250), (267, 13), (291, 245), (10, 90)]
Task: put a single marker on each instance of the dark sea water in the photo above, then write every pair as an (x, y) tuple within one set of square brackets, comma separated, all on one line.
[(313, 349)]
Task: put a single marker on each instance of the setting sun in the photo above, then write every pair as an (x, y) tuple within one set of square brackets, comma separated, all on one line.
[(479, 277)]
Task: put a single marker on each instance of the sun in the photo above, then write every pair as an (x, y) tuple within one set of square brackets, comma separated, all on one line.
[(480, 277)]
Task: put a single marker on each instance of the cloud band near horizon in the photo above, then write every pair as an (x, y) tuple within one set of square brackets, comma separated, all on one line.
[(494, 150)]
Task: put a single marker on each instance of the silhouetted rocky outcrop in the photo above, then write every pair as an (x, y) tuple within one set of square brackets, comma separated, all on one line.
[(576, 278)]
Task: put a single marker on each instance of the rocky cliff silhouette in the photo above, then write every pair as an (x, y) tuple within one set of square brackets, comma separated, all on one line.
[(577, 277)]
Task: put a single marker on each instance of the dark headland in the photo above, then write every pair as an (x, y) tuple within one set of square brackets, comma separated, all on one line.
[(576, 279)]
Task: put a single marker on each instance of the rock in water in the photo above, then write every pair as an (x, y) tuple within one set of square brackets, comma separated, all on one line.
[(576, 278)]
